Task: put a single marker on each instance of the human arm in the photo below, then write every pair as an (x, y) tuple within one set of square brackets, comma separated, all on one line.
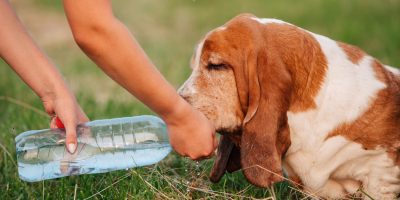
[(19, 50), (113, 48)]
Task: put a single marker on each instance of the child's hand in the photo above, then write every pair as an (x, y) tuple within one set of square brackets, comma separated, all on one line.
[(62, 105), (191, 134)]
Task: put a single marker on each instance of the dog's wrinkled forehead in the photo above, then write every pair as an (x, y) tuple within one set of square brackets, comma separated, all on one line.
[(209, 49), (227, 43)]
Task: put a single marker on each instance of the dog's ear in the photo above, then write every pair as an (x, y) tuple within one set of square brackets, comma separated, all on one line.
[(265, 132)]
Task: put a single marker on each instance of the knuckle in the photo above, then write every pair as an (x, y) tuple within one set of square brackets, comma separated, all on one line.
[(205, 154), (194, 157), (71, 137), (71, 134)]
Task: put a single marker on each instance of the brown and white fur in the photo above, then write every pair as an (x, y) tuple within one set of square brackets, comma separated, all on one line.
[(288, 100)]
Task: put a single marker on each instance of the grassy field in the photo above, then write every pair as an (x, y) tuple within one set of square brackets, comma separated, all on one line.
[(168, 31)]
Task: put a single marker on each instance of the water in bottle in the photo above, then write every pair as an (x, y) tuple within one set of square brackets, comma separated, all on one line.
[(103, 146)]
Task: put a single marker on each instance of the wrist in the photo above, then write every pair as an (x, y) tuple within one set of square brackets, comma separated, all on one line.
[(178, 112), (48, 84), (53, 91)]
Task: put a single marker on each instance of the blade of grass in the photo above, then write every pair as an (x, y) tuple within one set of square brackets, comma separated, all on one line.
[(8, 153), (99, 192), (24, 105), (75, 190), (151, 186)]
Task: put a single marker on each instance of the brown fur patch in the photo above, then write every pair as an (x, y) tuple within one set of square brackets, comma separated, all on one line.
[(354, 54), (379, 126), (303, 57)]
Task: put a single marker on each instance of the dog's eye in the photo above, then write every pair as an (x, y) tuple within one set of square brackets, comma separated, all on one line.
[(212, 66)]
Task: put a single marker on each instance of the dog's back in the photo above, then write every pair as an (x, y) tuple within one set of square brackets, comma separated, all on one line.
[(352, 138)]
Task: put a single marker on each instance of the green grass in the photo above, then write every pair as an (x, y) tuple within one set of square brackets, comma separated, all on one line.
[(168, 31)]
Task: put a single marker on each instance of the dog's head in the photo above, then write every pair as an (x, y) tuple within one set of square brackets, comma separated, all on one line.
[(240, 83)]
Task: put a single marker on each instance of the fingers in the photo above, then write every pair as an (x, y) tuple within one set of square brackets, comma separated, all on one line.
[(65, 113), (71, 141), (197, 155), (53, 122), (212, 154), (200, 143), (70, 130), (209, 153)]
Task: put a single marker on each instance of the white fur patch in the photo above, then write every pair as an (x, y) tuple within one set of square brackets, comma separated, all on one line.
[(221, 28), (395, 71), (268, 20), (189, 85), (198, 55), (347, 92)]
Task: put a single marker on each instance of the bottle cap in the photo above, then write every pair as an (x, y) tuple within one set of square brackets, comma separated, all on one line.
[(59, 123)]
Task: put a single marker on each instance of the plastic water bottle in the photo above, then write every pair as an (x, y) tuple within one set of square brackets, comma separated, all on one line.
[(103, 146)]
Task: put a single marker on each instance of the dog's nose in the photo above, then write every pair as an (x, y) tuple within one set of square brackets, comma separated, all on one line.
[(184, 93), (181, 91), (188, 89)]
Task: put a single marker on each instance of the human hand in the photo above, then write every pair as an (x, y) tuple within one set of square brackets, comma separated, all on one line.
[(61, 105), (190, 133), (19, 50)]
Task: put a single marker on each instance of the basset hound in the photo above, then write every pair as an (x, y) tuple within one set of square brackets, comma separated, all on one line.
[(289, 102)]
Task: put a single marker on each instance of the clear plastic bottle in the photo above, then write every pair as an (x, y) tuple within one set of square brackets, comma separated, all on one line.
[(103, 146)]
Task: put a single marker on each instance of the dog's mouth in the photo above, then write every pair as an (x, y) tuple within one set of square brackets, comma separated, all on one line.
[(234, 135), (228, 154)]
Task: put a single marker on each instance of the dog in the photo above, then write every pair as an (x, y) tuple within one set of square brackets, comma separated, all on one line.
[(289, 102)]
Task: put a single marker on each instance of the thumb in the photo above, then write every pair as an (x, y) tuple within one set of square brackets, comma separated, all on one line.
[(71, 138)]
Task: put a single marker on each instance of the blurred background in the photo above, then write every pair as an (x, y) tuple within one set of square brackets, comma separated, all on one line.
[(168, 31)]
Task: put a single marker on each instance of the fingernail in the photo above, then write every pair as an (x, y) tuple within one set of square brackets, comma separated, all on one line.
[(71, 147)]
